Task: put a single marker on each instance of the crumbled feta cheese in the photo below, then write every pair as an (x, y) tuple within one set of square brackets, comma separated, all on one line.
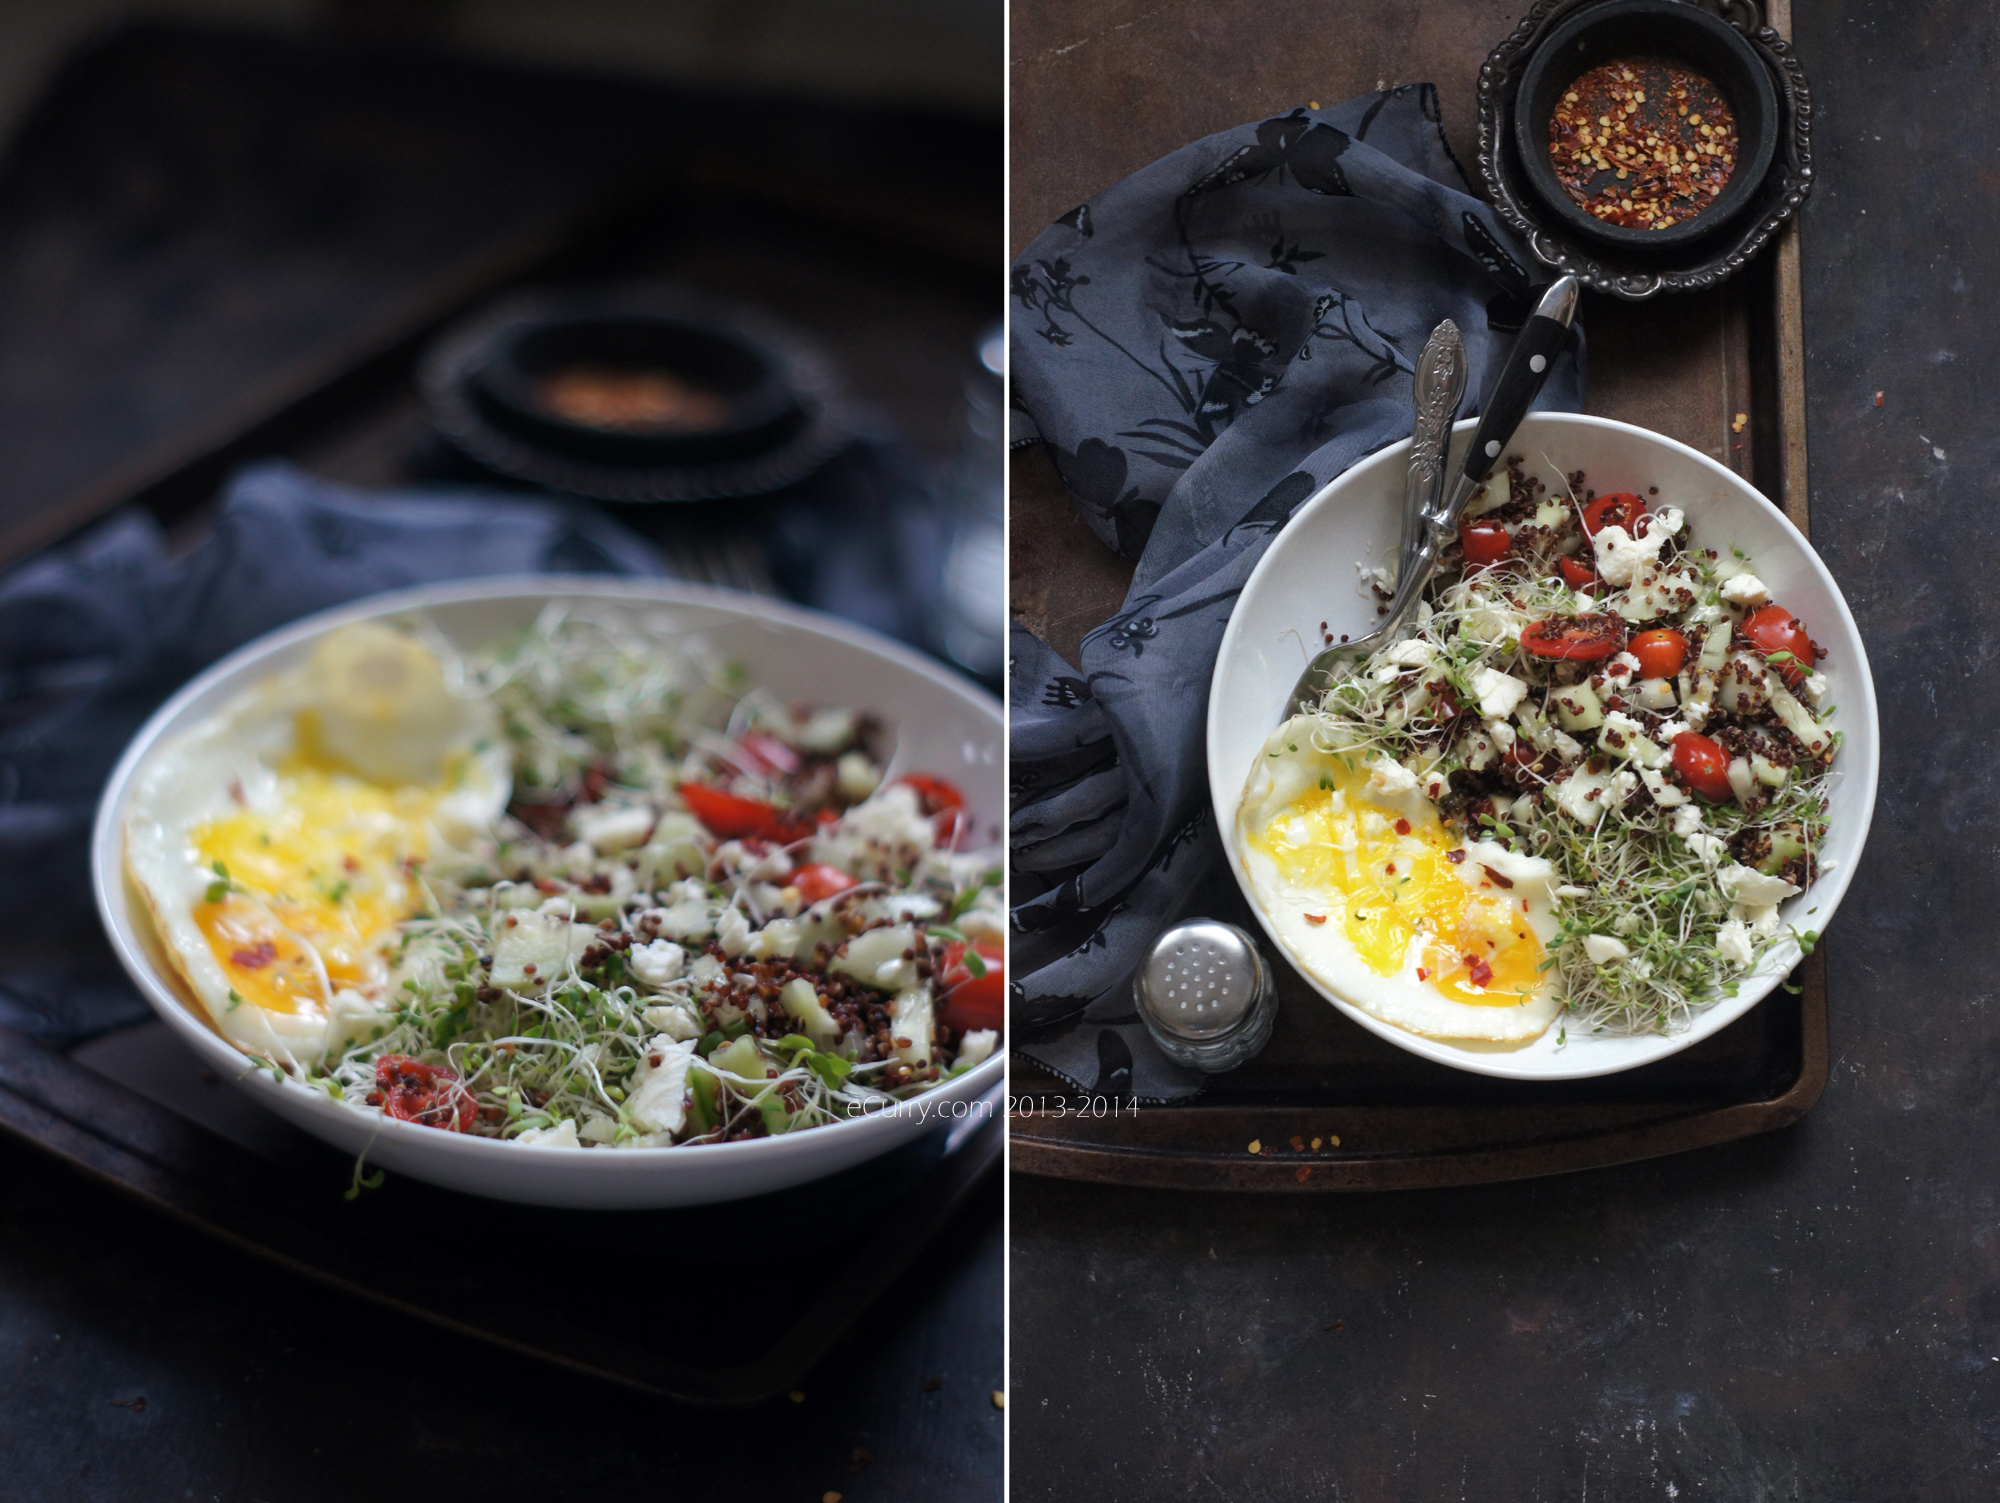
[(676, 1020), (974, 1048), (1602, 948), (1816, 687), (1566, 746), (598, 1128), (1411, 652), (733, 932), (1750, 887), (1670, 729), (1761, 917), (1498, 692), (688, 921), (1746, 590), (1585, 795), (1708, 849), (536, 947), (1624, 665), (1687, 821), (1377, 577), (1668, 519), (778, 939), (562, 1135), (656, 1099), (824, 732), (1389, 778), (1733, 941), (1502, 734), (657, 963), (611, 830), (1620, 556), (1625, 923)]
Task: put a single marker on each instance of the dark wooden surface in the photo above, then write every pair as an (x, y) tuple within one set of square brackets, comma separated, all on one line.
[(1809, 1314), (194, 229)]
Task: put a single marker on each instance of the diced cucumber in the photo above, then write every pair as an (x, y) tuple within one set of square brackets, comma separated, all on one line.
[(1742, 781), (1815, 737), (1769, 773), (800, 1000), (740, 1057), (875, 957), (1578, 708), (702, 1108), (1787, 844), (1743, 689), (1714, 647)]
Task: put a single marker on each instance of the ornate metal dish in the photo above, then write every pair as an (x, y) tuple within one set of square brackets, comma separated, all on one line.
[(1639, 274)]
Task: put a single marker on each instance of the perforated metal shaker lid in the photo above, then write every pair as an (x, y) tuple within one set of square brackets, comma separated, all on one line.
[(1200, 979)]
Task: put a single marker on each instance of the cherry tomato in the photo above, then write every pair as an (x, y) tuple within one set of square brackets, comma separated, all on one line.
[(1485, 542), (1619, 509), (1775, 629), (1576, 576), (429, 1095), (934, 795), (1703, 764), (817, 882), (1660, 653), (942, 801), (1587, 638), (971, 1001), (767, 753), (729, 816)]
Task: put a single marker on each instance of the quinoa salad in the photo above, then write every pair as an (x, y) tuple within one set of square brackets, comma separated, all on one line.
[(687, 913), (1585, 684)]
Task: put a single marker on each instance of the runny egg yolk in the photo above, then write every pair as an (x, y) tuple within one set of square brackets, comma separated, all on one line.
[(1399, 897), (315, 881)]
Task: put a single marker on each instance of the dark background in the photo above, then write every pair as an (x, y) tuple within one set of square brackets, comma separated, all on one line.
[(1813, 1314), (196, 222)]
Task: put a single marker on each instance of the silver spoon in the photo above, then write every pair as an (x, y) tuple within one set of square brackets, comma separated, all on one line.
[(1521, 378)]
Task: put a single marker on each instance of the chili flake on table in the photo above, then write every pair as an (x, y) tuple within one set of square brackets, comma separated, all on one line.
[(1642, 143)]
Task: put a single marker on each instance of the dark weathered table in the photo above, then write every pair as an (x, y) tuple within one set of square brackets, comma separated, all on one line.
[(1812, 1314), (193, 231)]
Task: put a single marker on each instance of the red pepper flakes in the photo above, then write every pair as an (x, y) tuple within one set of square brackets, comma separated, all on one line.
[(1302, 1173), (1422, 974), (1642, 143), (1878, 399), (1479, 970), (1402, 827), (1298, 1144), (1315, 918)]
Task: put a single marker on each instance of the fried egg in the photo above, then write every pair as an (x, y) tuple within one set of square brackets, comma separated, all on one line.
[(280, 844), (1378, 900)]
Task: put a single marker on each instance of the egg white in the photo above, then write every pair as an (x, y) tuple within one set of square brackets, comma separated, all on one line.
[(249, 763), (1290, 769)]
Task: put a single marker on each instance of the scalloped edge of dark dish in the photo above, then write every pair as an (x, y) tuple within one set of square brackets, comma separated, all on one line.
[(444, 373), (1636, 277)]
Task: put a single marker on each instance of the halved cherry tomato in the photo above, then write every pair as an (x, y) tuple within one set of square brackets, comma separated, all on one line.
[(1775, 629), (1587, 638), (1576, 576), (934, 795), (945, 805), (1703, 764), (768, 753), (971, 1001), (817, 882), (1484, 542), (729, 816), (1619, 509), (1660, 652), (429, 1095)]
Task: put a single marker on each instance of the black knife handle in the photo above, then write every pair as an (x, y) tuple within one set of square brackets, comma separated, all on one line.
[(1535, 350)]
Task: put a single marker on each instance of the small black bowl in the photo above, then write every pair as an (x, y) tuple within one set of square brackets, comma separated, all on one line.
[(1675, 31), (750, 408)]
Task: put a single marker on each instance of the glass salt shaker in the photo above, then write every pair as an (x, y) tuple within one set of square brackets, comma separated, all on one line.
[(969, 622), (1206, 995)]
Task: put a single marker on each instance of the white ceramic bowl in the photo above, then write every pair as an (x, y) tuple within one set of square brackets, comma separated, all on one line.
[(941, 723), (1308, 576)]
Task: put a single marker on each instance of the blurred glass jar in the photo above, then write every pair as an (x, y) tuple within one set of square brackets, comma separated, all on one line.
[(969, 623)]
